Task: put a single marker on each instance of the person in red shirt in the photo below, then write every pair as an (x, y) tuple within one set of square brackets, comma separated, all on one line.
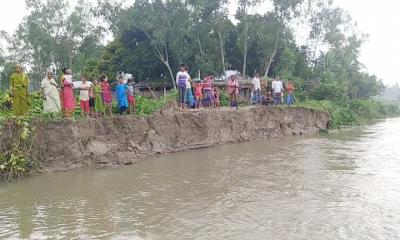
[(198, 93), (290, 93)]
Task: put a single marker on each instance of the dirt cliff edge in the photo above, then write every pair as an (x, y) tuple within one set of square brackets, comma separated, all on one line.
[(103, 142)]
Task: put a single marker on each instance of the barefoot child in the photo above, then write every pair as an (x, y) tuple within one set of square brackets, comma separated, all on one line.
[(198, 92), (122, 90), (131, 97)]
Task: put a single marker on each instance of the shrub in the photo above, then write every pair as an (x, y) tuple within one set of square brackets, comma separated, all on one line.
[(353, 112)]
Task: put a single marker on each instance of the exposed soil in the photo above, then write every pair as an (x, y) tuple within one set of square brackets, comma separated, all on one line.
[(116, 141)]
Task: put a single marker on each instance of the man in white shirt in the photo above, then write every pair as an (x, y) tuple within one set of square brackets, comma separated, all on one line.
[(257, 89), (182, 79), (277, 88)]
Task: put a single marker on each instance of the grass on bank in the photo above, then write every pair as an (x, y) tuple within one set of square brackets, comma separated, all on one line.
[(354, 112)]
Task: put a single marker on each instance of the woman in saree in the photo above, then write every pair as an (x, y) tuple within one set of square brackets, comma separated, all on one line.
[(233, 91), (68, 98), (51, 96), (19, 83)]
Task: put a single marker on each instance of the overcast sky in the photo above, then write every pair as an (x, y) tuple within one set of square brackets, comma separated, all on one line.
[(380, 19)]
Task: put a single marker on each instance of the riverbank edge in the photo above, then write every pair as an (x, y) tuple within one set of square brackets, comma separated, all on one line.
[(112, 142)]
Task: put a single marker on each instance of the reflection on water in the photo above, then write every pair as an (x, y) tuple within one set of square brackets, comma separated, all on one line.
[(341, 186)]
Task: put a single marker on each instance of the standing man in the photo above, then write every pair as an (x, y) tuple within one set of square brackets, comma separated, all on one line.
[(182, 77), (277, 88), (257, 88), (19, 83)]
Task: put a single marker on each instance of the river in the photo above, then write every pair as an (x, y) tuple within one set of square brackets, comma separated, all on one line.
[(343, 185)]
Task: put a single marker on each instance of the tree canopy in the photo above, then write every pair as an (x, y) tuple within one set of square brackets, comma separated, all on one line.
[(149, 39)]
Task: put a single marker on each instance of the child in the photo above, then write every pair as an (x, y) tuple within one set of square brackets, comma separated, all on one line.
[(122, 97), (290, 93), (91, 102), (68, 78), (268, 99), (189, 93), (84, 95), (98, 101), (131, 97), (217, 103), (207, 85), (198, 91), (106, 94)]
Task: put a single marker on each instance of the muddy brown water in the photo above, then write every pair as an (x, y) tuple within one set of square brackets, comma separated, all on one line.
[(344, 185)]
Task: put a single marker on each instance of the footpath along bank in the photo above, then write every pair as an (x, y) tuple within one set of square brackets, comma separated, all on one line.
[(67, 144)]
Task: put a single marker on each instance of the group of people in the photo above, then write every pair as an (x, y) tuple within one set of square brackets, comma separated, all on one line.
[(206, 93), (95, 98), (272, 94)]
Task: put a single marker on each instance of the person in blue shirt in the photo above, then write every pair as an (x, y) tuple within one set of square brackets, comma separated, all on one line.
[(122, 96)]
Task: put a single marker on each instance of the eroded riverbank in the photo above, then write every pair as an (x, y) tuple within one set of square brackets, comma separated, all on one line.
[(104, 142)]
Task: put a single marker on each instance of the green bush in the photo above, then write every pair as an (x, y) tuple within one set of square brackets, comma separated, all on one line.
[(14, 158), (353, 112)]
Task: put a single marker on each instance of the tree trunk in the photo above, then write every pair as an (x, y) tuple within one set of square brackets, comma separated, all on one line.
[(166, 63), (200, 48), (269, 62), (69, 57), (163, 58), (221, 44), (316, 48), (246, 30)]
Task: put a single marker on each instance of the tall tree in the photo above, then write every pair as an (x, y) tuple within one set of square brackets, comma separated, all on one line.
[(52, 37), (244, 7), (285, 11), (163, 23)]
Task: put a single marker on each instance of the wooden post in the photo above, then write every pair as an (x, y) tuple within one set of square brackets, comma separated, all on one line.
[(152, 93), (165, 93)]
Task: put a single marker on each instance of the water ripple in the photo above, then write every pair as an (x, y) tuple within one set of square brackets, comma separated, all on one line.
[(344, 185)]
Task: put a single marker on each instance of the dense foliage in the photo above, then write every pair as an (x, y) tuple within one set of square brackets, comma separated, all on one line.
[(354, 112), (312, 42), (15, 155)]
